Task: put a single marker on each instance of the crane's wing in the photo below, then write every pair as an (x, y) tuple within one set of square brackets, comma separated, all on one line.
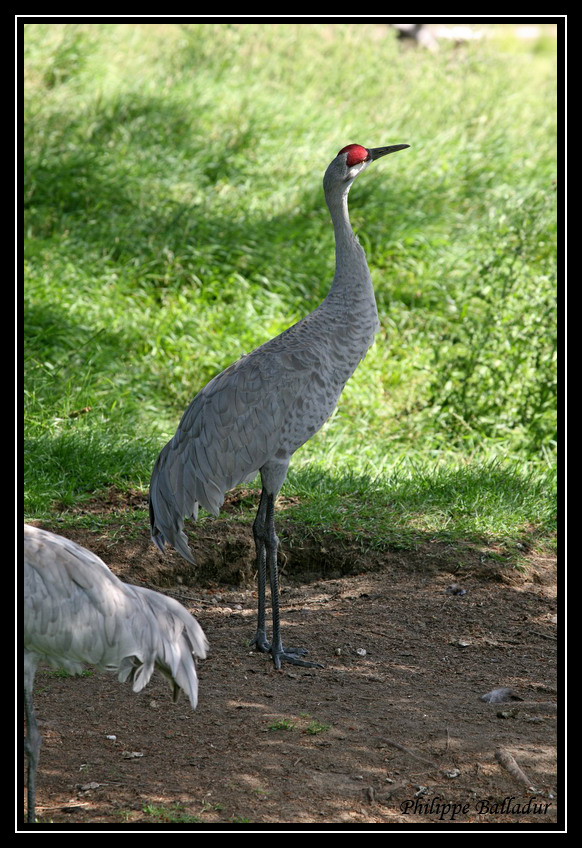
[(76, 611), (231, 428), (72, 601)]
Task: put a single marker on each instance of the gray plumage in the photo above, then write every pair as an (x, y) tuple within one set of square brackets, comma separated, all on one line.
[(254, 415), (76, 611)]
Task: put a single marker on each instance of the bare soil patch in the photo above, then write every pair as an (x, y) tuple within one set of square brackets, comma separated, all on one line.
[(395, 716)]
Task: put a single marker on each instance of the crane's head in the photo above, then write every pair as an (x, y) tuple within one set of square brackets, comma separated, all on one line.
[(351, 161)]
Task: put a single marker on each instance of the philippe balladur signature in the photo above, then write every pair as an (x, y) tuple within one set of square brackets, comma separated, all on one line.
[(509, 806)]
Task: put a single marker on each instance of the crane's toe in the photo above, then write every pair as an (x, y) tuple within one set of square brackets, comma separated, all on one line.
[(293, 657)]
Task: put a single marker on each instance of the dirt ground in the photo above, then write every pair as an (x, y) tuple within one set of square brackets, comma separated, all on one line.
[(391, 732)]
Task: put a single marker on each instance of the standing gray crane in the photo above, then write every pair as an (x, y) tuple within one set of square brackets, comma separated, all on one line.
[(254, 415), (77, 611)]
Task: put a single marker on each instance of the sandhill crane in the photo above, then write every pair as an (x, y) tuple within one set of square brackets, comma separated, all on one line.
[(77, 611), (254, 415)]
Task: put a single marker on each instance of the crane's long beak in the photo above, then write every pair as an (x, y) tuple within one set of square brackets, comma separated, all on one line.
[(376, 152)]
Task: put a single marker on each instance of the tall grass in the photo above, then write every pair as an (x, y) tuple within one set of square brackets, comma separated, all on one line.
[(174, 219)]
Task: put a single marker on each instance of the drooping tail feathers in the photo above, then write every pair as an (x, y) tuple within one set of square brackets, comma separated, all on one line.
[(167, 510), (178, 641)]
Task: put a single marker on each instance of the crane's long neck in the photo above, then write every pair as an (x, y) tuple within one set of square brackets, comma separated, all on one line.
[(350, 306), (351, 269)]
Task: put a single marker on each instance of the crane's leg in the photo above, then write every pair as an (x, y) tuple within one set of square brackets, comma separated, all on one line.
[(267, 542), (259, 640), (32, 748), (278, 652)]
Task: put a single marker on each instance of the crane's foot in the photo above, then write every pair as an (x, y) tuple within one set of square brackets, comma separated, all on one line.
[(292, 655), (260, 643)]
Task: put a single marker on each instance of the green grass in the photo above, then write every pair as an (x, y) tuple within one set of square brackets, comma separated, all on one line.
[(283, 724), (316, 727), (174, 813), (312, 728), (174, 219), (62, 672), (415, 501)]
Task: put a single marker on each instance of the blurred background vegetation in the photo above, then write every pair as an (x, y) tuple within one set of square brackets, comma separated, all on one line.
[(175, 219)]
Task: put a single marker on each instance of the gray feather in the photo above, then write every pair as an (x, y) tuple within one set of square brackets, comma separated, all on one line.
[(76, 611)]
